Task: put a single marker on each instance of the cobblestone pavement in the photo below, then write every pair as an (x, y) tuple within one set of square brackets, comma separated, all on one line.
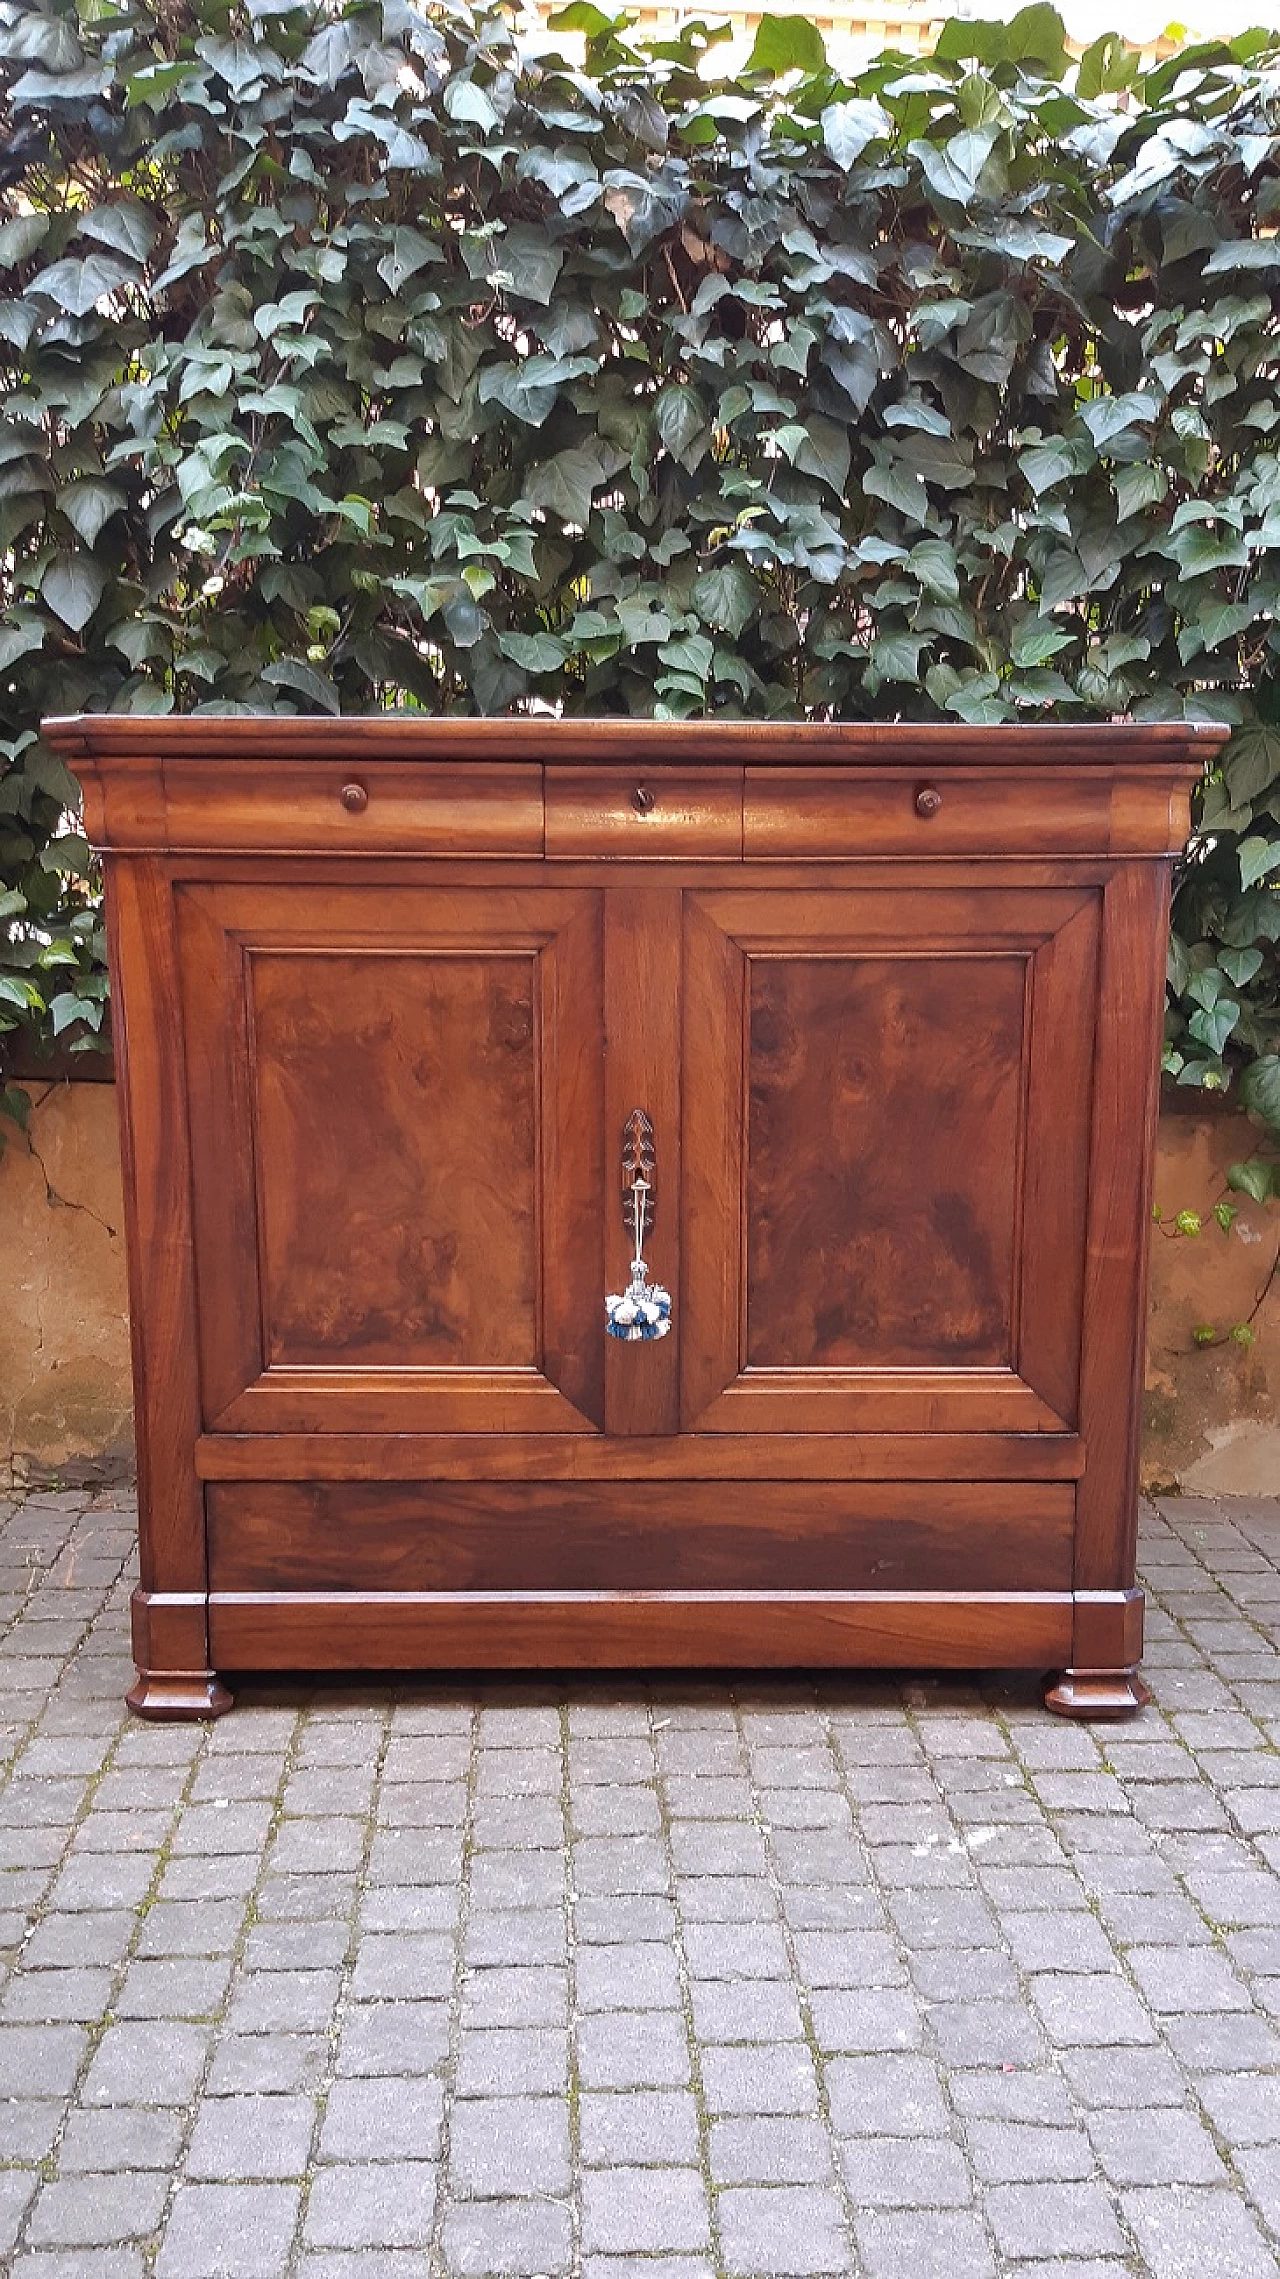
[(640, 1980)]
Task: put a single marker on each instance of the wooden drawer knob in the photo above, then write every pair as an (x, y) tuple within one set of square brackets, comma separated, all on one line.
[(354, 798), (643, 800), (928, 801)]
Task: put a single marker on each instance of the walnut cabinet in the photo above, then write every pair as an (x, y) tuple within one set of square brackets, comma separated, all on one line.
[(388, 996)]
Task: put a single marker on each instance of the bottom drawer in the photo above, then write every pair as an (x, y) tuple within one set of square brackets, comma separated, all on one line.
[(671, 1535)]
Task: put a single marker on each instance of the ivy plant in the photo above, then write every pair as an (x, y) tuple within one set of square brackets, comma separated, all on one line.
[(362, 354)]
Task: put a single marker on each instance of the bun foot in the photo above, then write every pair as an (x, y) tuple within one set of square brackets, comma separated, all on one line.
[(173, 1694), (1097, 1694)]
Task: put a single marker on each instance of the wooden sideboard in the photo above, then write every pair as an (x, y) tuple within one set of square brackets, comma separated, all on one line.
[(403, 1009)]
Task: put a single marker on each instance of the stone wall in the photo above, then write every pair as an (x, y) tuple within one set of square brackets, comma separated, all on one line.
[(65, 1397), (1212, 1415)]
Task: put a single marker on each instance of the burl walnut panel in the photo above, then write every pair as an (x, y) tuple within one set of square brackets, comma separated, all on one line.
[(397, 1205), (386, 993), (883, 1145)]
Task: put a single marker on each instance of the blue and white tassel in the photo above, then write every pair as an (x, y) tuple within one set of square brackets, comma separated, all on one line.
[(644, 1308)]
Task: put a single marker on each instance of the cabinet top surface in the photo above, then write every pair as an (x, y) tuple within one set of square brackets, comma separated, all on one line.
[(878, 744)]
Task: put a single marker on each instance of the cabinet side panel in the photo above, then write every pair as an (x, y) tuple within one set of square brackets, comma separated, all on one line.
[(1125, 1099), (161, 1258)]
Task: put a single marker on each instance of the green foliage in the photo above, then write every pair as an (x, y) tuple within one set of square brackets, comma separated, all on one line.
[(356, 357)]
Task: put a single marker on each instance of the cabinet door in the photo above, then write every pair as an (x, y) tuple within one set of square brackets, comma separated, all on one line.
[(886, 1118), (396, 1129)]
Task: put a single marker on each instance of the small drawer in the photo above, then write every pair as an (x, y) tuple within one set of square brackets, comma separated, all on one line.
[(639, 813), (383, 807), (815, 813)]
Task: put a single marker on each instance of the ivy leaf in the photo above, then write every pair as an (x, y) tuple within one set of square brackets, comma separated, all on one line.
[(847, 128), (1260, 1088), (534, 652), (73, 585), (825, 452), (726, 596), (88, 503), (898, 485), (787, 43), (1106, 417), (564, 485), (1137, 486), (1035, 642), (526, 390), (307, 679), (952, 172), (1254, 1177), (682, 424), (20, 236), (1211, 1025), (1251, 763), (125, 223), (409, 252), (464, 99), (1258, 858), (78, 286), (1240, 966)]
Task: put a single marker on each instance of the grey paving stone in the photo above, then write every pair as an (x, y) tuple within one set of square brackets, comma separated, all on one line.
[(943, 2244), (632, 2049), (393, 2037), (1129, 2078), (1166, 2147), (96, 2211), (253, 2137), (890, 2096), (646, 2267), (1094, 2010), (107, 2139), (28, 2127), (72, 1941), (523, 1995), (1224, 2042), (1011, 2152), (78, 2263), (1244, 2108), (782, 2229), (859, 2019), (176, 1988), (52, 1996), (748, 2010), (734, 2080), (229, 2231), (509, 2148), (639, 1975), (267, 2064), (496, 2062), (404, 1966), (283, 2001), (517, 2239), (644, 2210), (1180, 2232), (639, 2127), (987, 2033), (387, 2204), (905, 2173), (770, 2151), (1053, 2219), (147, 2063), (40, 2061), (1195, 1978), (370, 2119), (17, 2189), (357, 2263)]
